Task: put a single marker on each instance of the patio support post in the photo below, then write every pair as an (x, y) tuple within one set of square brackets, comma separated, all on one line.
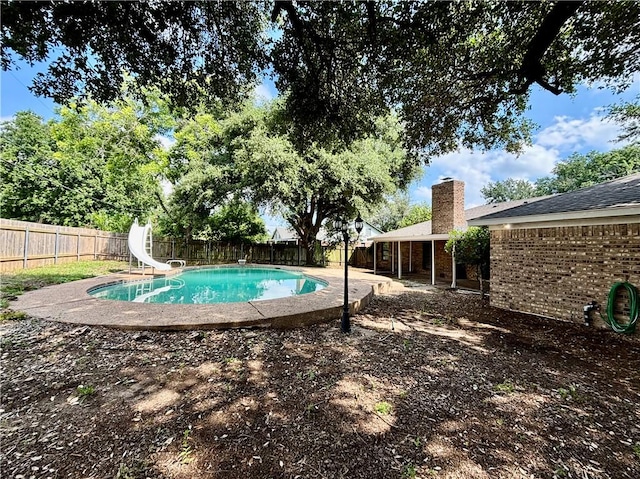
[(375, 255), (453, 268), (393, 263), (399, 262), (410, 256), (433, 262)]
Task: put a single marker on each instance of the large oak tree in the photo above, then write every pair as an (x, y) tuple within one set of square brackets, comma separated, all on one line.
[(457, 72)]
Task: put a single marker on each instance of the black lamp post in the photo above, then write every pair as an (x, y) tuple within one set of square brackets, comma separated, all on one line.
[(340, 224)]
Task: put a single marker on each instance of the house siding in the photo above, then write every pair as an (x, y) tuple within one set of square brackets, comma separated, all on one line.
[(555, 271)]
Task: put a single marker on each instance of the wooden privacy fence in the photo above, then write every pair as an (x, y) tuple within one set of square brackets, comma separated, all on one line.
[(27, 245), (359, 256)]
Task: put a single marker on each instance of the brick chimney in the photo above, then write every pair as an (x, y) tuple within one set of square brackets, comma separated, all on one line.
[(447, 206)]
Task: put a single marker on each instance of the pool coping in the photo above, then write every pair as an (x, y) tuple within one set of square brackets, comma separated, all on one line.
[(71, 303)]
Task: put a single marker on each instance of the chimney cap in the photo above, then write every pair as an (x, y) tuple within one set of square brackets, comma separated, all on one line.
[(446, 178)]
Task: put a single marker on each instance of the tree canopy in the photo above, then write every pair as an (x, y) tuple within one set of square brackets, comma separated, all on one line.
[(416, 214), (575, 172), (627, 115), (190, 49), (456, 72), (94, 165), (580, 171), (508, 190), (472, 247), (307, 189)]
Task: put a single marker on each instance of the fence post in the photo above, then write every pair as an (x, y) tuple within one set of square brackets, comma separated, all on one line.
[(95, 246), (78, 248), (26, 248), (56, 248)]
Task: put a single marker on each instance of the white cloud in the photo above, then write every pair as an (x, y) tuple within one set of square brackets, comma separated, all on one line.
[(6, 118), (423, 193), (573, 134), (552, 144), (166, 141), (477, 169), (263, 93)]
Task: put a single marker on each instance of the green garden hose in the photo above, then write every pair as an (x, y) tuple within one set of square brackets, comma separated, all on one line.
[(633, 308)]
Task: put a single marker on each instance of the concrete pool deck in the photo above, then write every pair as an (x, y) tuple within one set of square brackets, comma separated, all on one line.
[(70, 303)]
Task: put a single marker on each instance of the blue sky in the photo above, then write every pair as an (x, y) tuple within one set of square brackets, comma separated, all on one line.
[(566, 125)]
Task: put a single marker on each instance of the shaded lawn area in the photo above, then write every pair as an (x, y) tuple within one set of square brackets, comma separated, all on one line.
[(18, 282), (430, 384)]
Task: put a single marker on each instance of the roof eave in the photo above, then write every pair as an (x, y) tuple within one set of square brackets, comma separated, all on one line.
[(558, 217), (438, 237)]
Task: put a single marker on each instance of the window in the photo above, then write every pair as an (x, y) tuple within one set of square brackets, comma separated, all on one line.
[(385, 251)]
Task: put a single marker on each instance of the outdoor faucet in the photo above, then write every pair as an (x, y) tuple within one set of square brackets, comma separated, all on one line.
[(593, 305)]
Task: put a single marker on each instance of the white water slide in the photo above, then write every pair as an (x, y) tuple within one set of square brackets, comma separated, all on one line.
[(138, 237)]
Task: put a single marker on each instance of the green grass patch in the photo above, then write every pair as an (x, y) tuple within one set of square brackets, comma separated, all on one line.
[(636, 450), (383, 407), (85, 391), (9, 315), (571, 392), (505, 387), (409, 472), (17, 283), (186, 452)]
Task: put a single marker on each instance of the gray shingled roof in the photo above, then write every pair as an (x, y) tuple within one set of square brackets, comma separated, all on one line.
[(422, 230), (613, 195)]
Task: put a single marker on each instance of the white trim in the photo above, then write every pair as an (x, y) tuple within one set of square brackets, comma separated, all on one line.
[(616, 220), (433, 263), (437, 237), (399, 262), (410, 256), (632, 212), (393, 264), (454, 278), (375, 256)]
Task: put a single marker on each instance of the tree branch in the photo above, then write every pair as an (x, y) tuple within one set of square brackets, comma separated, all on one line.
[(532, 70)]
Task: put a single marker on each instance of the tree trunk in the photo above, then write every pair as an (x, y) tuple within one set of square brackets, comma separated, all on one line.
[(310, 248)]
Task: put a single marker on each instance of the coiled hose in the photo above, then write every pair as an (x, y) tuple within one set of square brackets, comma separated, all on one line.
[(633, 308)]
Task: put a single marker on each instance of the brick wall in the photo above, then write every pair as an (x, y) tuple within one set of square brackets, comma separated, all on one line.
[(556, 271), (447, 206), (444, 265)]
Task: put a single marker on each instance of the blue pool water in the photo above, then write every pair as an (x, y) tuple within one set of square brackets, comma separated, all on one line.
[(214, 285)]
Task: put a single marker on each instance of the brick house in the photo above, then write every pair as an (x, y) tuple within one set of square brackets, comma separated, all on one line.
[(419, 248), (553, 256)]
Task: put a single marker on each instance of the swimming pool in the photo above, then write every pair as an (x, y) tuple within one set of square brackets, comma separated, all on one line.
[(213, 286)]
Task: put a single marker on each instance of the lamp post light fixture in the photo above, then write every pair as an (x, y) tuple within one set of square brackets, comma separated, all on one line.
[(342, 225)]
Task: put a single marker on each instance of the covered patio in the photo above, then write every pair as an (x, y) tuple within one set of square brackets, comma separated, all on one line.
[(414, 251)]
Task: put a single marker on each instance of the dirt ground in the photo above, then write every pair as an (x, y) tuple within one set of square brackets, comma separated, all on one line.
[(430, 383)]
